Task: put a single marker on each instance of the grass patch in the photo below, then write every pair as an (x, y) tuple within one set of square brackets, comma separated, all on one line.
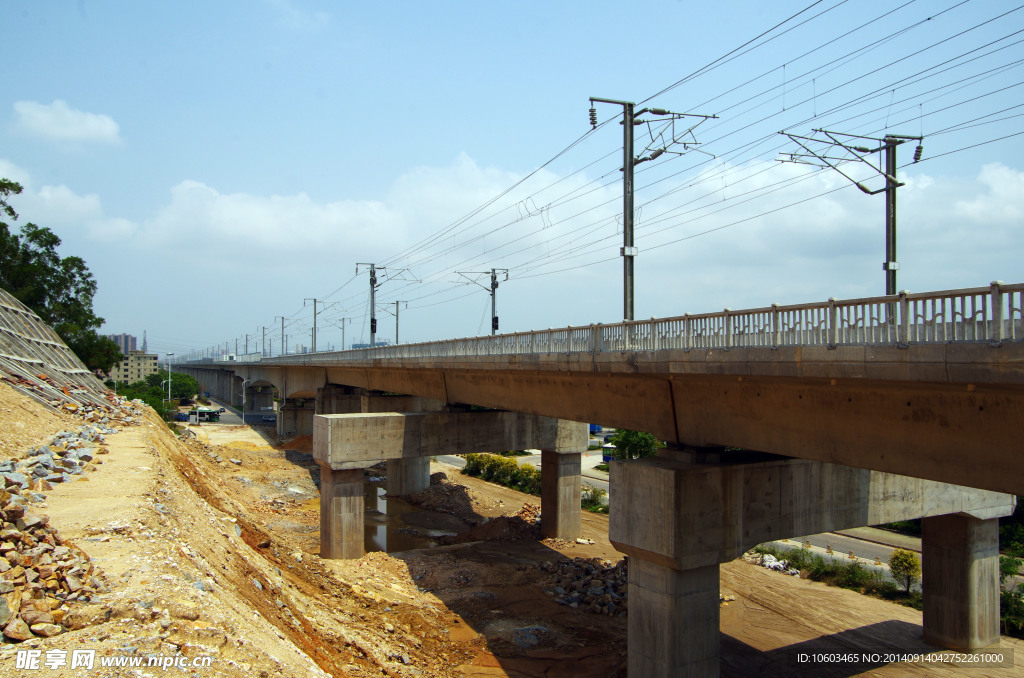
[(602, 467)]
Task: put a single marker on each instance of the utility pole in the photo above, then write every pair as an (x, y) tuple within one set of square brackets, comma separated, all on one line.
[(263, 346), (492, 290), (629, 121), (856, 154), (247, 343), (393, 274), (236, 348), (314, 319), (396, 318), (343, 332), (373, 300), (169, 356), (282, 335), (890, 265)]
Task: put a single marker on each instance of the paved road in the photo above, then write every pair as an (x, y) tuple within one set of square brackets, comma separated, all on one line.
[(230, 416)]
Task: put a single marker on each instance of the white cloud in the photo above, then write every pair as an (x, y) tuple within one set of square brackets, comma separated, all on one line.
[(1003, 203), (60, 122), (289, 231), (110, 230), (299, 19), (61, 209), (59, 204)]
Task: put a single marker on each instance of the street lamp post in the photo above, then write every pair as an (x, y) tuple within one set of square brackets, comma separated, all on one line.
[(169, 375), (244, 382)]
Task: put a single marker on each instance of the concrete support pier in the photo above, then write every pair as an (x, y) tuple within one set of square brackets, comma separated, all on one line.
[(960, 581), (560, 494), (408, 475), (673, 620), (680, 514), (341, 513)]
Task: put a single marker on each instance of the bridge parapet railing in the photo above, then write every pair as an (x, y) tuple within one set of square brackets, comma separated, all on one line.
[(983, 314)]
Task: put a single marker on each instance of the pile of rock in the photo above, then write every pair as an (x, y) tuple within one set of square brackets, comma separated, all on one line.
[(41, 575), (69, 454), (590, 584), (117, 410)]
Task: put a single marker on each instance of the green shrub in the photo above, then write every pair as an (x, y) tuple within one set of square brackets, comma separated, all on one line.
[(592, 499)]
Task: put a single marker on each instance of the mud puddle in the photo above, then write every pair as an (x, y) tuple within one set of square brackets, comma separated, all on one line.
[(392, 525)]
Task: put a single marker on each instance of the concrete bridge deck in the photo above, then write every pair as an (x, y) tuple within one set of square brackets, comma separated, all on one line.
[(909, 383)]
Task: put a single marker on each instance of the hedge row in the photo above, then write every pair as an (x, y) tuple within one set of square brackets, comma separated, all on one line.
[(503, 471)]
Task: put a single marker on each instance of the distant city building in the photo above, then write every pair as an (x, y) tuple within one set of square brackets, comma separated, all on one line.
[(125, 342), (136, 366)]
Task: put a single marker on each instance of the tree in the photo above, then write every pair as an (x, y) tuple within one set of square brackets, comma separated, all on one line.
[(183, 386), (95, 350), (634, 444), (59, 290), (905, 567)]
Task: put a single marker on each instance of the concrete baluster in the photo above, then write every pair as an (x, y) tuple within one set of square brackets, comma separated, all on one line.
[(776, 327), (833, 323), (997, 332), (906, 312)]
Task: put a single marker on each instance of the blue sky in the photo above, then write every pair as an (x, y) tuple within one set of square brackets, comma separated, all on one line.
[(217, 164)]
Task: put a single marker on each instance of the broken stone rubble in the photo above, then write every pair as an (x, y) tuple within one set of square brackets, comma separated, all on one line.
[(41, 575), (43, 578), (591, 584)]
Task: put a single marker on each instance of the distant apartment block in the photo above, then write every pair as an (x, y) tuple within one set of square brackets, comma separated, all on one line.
[(125, 342), (136, 366)]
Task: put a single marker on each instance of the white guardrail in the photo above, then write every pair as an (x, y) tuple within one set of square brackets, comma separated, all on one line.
[(991, 314)]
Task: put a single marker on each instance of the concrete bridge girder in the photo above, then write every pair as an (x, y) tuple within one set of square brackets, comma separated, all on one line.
[(844, 413), (911, 410), (710, 513)]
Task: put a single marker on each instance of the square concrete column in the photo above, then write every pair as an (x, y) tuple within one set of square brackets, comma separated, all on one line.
[(960, 581), (673, 621), (560, 494), (341, 513), (406, 476)]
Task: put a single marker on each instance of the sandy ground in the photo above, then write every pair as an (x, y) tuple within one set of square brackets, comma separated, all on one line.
[(210, 550)]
